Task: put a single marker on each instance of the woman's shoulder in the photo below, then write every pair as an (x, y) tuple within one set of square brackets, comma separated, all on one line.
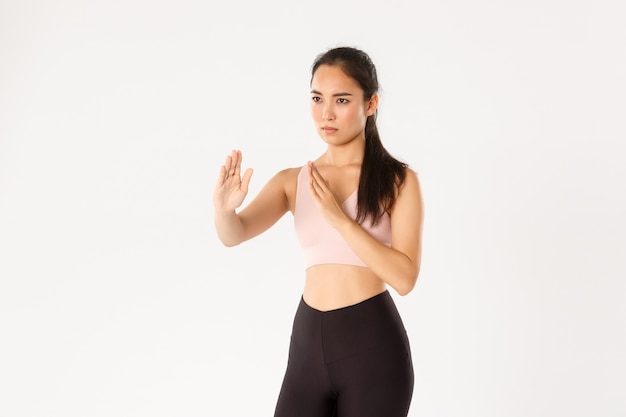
[(410, 172), (410, 191), (411, 180), (288, 180), (288, 175)]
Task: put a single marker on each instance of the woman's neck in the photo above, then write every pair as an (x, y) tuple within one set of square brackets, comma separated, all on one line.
[(342, 155)]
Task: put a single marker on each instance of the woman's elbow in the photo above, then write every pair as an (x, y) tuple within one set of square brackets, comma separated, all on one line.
[(406, 288), (229, 243), (408, 283)]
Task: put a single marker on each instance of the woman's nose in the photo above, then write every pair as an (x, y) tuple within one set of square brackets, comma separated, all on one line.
[(327, 113)]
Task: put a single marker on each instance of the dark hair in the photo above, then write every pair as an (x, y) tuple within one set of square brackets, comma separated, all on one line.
[(381, 174)]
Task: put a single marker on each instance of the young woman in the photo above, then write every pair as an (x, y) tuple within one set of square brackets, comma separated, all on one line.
[(358, 217)]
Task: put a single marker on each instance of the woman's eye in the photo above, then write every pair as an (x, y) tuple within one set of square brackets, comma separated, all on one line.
[(316, 99), (342, 100)]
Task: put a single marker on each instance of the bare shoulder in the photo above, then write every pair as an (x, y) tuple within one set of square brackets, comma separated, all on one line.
[(289, 173), (285, 177), (411, 180), (409, 194), (289, 179)]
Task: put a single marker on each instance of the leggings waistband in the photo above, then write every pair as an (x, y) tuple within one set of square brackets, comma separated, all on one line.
[(370, 324)]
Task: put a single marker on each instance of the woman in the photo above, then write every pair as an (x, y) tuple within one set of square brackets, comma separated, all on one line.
[(349, 352)]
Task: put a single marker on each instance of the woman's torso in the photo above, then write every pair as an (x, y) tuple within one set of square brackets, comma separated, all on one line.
[(332, 286)]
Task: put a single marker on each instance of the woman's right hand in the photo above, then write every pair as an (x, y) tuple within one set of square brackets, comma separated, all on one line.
[(231, 188)]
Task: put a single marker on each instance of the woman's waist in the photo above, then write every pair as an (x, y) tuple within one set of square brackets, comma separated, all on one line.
[(333, 286)]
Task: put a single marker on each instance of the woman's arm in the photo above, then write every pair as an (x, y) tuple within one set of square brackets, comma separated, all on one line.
[(269, 205), (398, 265)]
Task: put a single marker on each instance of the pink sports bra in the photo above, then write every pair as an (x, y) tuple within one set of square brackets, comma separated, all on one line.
[(320, 242)]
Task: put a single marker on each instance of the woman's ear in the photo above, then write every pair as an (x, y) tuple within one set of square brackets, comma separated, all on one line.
[(372, 105)]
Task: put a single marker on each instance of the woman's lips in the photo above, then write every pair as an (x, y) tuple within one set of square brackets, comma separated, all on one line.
[(329, 130)]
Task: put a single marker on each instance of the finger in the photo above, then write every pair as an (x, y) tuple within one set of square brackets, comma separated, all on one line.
[(317, 192), (221, 177), (315, 174), (228, 163), (237, 172), (312, 180), (319, 179), (234, 157), (246, 180)]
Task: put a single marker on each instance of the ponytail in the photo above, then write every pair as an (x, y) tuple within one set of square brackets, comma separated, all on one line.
[(381, 177)]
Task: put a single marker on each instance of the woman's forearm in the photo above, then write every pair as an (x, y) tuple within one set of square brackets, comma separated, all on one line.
[(392, 266)]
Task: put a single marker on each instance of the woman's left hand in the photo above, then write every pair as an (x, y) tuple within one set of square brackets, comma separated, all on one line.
[(324, 197)]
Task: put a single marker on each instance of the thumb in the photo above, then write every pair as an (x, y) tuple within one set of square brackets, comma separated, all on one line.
[(246, 179)]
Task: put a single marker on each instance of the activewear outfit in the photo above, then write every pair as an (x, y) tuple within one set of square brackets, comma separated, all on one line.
[(353, 361)]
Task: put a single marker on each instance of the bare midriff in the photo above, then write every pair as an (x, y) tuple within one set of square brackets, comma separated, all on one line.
[(332, 286)]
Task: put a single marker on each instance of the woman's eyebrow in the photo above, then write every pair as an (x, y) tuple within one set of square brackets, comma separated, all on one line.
[(334, 95)]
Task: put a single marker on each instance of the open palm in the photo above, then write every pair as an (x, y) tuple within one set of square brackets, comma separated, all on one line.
[(231, 187)]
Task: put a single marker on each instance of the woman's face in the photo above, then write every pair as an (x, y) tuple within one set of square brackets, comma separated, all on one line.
[(337, 105)]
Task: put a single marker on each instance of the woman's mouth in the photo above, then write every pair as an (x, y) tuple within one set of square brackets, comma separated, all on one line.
[(328, 130)]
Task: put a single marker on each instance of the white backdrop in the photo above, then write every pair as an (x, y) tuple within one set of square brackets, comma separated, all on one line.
[(116, 298)]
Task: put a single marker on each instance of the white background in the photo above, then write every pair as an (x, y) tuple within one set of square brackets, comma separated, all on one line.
[(116, 298)]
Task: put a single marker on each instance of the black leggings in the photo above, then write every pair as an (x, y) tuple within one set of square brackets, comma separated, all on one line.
[(350, 362)]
